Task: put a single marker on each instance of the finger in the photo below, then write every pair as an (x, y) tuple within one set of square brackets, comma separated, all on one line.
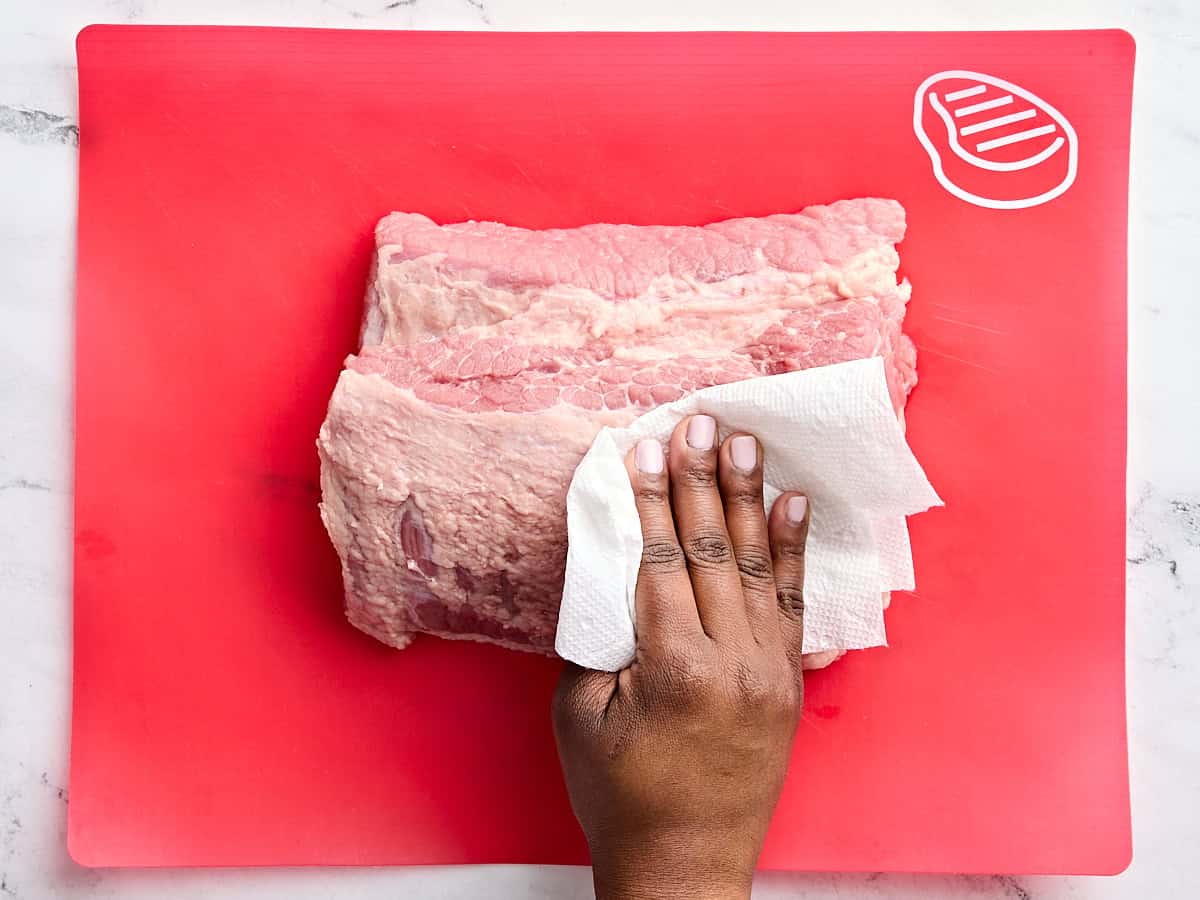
[(788, 530), (739, 468), (821, 659), (700, 524), (666, 608)]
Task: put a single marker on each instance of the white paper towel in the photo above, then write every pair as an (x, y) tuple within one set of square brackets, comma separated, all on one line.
[(829, 432)]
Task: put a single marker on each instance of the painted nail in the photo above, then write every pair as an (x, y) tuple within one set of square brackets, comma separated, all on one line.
[(649, 456), (743, 450), (796, 508), (701, 432)]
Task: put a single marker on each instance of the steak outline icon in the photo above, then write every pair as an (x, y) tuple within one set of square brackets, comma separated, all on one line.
[(1065, 138)]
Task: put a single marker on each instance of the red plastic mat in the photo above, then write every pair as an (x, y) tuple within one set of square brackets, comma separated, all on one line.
[(224, 713)]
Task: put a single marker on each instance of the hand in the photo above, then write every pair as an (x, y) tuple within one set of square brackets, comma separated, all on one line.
[(674, 765)]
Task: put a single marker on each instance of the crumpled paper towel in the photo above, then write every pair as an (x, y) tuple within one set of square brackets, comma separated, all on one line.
[(829, 432)]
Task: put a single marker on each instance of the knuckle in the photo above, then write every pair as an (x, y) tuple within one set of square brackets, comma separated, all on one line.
[(709, 548), (754, 564), (686, 676), (662, 555), (747, 679), (792, 551), (745, 503), (745, 491), (699, 474), (650, 494), (749, 686), (791, 601), (785, 700), (763, 688)]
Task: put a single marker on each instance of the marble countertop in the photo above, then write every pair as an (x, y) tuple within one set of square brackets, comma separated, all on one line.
[(38, 138)]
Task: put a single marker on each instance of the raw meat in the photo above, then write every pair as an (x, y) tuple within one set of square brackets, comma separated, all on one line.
[(492, 355)]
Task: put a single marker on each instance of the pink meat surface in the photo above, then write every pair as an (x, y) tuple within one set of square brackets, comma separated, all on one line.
[(623, 261), (492, 355), (494, 374)]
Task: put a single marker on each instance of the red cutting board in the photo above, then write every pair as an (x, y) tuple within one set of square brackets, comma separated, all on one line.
[(224, 713)]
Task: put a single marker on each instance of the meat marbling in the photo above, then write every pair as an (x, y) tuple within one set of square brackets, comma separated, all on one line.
[(492, 355)]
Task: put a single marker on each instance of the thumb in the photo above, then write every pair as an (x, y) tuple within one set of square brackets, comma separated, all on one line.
[(582, 698)]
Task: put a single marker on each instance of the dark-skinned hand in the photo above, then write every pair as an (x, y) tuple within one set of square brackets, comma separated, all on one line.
[(674, 765)]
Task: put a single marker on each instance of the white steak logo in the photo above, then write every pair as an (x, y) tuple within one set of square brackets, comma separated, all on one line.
[(1008, 148)]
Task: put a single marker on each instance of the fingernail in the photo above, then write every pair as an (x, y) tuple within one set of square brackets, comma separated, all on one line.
[(649, 456), (743, 449), (796, 508), (701, 432)]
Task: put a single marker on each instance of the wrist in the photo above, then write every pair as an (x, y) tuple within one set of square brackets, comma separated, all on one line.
[(674, 885), (670, 872)]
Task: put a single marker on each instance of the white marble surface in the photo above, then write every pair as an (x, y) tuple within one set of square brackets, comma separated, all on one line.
[(37, 214)]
